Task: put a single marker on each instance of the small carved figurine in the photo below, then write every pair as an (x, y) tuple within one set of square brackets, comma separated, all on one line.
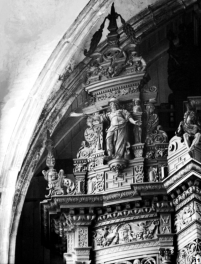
[(137, 129), (137, 106), (190, 129)]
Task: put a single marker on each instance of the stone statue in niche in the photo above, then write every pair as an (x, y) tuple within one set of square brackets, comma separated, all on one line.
[(153, 174), (93, 137), (137, 111), (152, 123), (155, 134), (117, 138), (190, 129)]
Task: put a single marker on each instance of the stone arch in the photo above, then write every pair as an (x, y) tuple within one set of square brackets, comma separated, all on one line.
[(40, 108)]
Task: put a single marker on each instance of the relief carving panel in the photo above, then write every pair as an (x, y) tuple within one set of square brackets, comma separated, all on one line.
[(125, 233)]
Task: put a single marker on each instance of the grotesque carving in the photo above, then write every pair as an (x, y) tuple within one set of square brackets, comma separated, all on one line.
[(58, 183), (184, 217), (190, 129)]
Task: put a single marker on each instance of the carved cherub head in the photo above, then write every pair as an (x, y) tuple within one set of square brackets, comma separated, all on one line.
[(124, 232), (50, 175)]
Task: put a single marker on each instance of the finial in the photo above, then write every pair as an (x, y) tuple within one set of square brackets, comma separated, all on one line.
[(113, 36), (50, 160)]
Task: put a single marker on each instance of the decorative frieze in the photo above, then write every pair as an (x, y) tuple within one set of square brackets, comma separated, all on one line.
[(125, 233)]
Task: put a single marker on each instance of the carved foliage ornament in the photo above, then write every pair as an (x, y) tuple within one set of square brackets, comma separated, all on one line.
[(63, 225), (82, 236)]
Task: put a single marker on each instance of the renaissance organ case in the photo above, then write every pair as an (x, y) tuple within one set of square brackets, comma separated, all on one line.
[(135, 197)]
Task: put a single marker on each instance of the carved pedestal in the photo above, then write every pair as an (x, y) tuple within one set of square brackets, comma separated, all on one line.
[(138, 150), (78, 249), (166, 254), (139, 170), (80, 178)]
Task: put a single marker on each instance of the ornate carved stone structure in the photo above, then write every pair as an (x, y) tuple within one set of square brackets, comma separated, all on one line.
[(132, 190)]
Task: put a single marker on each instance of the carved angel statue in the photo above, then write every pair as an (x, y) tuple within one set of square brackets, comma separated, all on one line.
[(190, 129)]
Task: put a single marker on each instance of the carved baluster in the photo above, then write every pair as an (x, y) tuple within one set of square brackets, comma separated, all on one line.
[(166, 254)]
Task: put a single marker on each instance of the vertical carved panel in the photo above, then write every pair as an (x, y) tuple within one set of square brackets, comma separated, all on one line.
[(70, 242), (82, 236), (165, 223)]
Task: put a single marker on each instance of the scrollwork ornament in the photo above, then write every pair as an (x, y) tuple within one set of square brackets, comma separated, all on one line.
[(139, 173), (83, 237), (190, 253)]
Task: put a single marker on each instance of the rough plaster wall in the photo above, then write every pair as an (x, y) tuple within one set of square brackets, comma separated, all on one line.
[(29, 32)]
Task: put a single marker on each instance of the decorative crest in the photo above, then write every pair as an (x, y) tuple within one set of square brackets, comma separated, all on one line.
[(113, 36)]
